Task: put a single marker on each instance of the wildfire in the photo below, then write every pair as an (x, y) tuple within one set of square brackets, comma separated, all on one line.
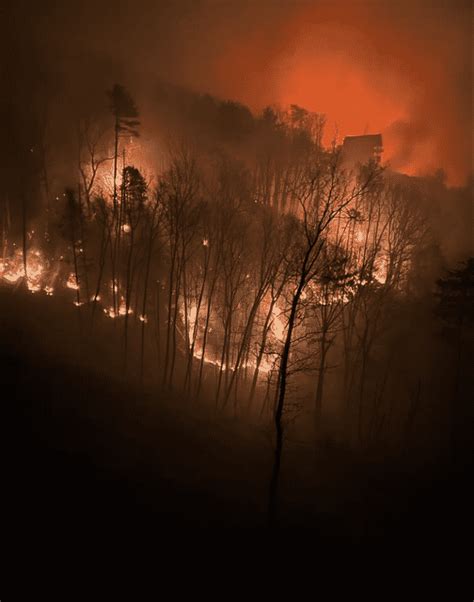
[(110, 312), (72, 282), (380, 272), (277, 332), (12, 270), (278, 325)]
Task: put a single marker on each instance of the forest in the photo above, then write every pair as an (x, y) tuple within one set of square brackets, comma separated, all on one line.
[(251, 277)]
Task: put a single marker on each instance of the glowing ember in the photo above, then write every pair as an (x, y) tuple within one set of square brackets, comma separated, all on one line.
[(359, 236), (380, 272), (122, 310), (72, 282), (12, 269)]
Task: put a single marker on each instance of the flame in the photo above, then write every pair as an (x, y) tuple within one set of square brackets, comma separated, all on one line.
[(278, 325), (380, 272), (122, 310), (359, 236), (12, 270), (72, 282), (277, 330)]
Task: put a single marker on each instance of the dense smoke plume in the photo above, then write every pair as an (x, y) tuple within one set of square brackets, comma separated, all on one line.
[(402, 69)]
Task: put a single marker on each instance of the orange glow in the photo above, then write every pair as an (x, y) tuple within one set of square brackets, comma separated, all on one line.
[(12, 271), (72, 282), (121, 311), (368, 71)]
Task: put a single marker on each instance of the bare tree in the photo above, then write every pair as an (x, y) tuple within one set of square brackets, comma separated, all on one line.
[(153, 233), (325, 192), (92, 156), (180, 220)]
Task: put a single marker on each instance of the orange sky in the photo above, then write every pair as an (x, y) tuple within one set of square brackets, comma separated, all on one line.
[(399, 67), (403, 70)]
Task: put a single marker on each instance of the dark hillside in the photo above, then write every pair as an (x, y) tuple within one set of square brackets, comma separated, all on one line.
[(86, 452)]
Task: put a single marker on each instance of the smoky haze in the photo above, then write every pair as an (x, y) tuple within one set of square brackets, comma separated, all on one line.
[(221, 303), (401, 69)]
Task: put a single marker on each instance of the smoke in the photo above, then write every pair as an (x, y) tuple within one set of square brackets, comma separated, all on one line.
[(403, 69)]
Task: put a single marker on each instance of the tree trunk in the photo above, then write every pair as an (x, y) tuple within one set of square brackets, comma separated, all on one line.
[(281, 392), (128, 290), (189, 367), (25, 235), (168, 323), (206, 330), (318, 402), (145, 295)]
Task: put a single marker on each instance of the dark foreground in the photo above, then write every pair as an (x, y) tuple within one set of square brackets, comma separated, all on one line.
[(86, 453)]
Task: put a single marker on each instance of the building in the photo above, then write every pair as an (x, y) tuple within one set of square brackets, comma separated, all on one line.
[(361, 149)]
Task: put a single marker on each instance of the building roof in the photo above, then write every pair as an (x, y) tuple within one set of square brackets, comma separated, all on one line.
[(366, 139), (361, 149)]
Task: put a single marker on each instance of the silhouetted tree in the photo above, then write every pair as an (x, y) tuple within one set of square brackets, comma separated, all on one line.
[(456, 308), (125, 112), (126, 122), (325, 191)]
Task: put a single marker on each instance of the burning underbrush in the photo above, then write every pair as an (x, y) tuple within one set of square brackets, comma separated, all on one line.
[(197, 285), (197, 323)]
